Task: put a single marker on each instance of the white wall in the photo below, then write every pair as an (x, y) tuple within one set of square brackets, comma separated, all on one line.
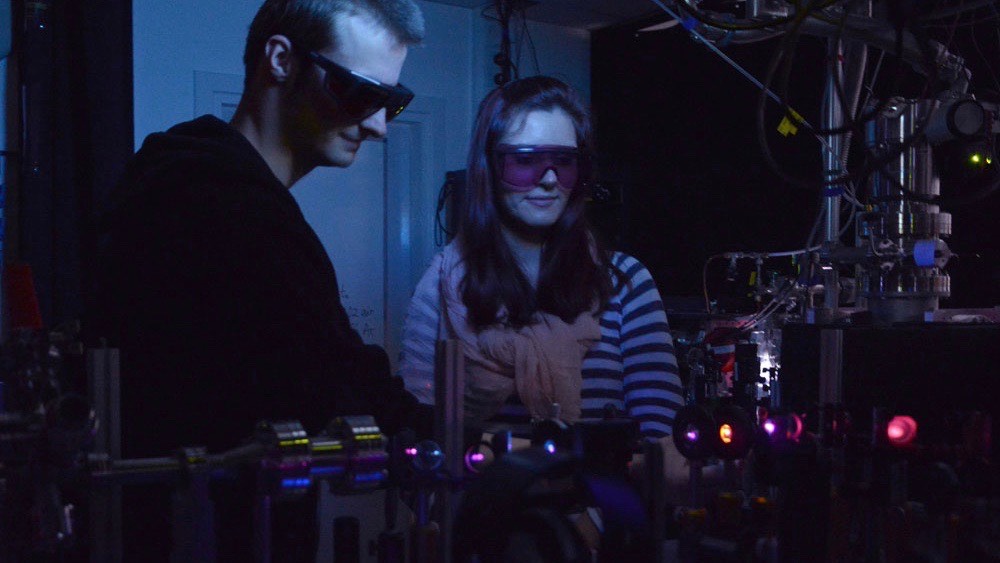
[(562, 52), (173, 38)]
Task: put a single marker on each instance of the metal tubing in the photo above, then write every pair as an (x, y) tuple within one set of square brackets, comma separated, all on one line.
[(831, 341), (450, 430)]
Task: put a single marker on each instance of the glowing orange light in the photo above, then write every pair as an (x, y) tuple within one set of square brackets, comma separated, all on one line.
[(726, 433), (901, 430)]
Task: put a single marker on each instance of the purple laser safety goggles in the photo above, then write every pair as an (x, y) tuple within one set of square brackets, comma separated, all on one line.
[(521, 167)]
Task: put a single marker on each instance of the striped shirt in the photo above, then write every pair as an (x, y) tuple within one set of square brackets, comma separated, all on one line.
[(632, 368)]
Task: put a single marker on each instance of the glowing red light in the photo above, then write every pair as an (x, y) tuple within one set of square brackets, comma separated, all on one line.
[(726, 433), (901, 430), (794, 427)]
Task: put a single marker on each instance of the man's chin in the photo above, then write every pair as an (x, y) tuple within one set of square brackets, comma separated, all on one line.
[(340, 159)]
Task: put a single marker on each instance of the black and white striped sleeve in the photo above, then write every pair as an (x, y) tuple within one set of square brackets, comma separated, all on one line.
[(652, 386)]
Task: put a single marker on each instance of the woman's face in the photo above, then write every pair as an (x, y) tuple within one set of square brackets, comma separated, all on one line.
[(537, 206)]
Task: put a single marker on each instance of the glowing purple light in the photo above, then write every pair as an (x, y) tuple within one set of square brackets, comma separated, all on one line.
[(410, 451), (691, 435), (769, 427), (477, 457)]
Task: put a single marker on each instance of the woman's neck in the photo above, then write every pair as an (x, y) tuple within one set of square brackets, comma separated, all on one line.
[(527, 252)]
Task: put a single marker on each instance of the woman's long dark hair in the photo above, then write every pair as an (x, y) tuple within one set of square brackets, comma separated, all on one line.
[(575, 271)]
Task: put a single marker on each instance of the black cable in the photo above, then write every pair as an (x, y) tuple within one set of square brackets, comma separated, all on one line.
[(521, 13), (876, 163), (997, 28), (970, 23), (854, 123), (704, 18), (787, 42), (947, 45), (838, 83), (857, 123), (504, 10), (519, 42), (531, 41), (871, 82), (441, 233), (785, 54), (979, 51), (945, 13)]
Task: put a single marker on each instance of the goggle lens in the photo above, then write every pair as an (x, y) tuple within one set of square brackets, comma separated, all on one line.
[(359, 96), (522, 167)]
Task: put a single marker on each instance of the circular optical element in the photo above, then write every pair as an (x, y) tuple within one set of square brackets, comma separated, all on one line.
[(967, 118), (770, 427), (901, 430), (726, 434), (478, 458), (429, 456), (549, 446), (735, 432), (692, 434), (794, 430)]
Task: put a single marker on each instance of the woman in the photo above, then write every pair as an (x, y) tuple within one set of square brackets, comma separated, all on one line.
[(527, 288)]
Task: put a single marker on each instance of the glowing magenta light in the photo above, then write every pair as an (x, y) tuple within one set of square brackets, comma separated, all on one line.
[(901, 430), (769, 427), (692, 435), (410, 451), (474, 460)]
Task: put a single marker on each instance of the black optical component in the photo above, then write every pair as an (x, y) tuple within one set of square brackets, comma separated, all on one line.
[(734, 434), (694, 432), (358, 95)]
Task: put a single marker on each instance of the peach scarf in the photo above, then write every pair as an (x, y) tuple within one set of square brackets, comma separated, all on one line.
[(542, 361)]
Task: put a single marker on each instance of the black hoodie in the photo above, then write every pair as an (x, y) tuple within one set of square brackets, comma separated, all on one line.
[(225, 303)]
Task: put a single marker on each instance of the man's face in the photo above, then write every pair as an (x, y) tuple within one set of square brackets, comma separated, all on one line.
[(316, 131)]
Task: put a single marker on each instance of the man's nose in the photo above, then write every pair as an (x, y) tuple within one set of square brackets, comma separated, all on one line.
[(374, 125)]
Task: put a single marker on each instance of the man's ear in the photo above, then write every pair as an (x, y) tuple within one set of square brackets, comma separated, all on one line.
[(278, 59)]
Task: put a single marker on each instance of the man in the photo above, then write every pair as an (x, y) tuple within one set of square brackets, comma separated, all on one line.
[(221, 297)]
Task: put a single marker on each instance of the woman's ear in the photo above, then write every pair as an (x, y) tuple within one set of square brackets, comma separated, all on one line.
[(278, 60)]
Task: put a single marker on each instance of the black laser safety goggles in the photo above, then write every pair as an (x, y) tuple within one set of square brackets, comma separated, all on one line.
[(521, 167), (359, 96)]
